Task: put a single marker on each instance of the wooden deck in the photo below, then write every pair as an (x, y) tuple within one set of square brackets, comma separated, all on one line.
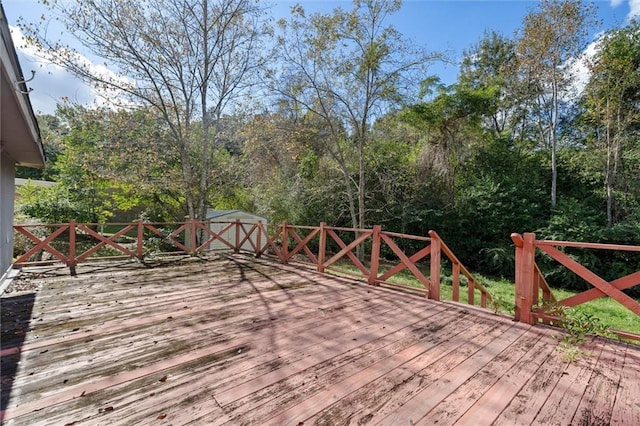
[(238, 341)]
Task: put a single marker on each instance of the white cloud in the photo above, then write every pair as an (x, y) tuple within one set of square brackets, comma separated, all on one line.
[(634, 8), (579, 68), (53, 84)]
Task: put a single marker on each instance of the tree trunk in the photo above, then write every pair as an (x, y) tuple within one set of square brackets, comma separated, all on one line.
[(361, 193), (608, 178), (554, 143), (608, 183)]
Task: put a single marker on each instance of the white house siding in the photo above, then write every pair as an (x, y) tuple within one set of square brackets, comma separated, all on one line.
[(7, 172)]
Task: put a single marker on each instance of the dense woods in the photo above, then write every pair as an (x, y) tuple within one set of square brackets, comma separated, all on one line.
[(335, 117)]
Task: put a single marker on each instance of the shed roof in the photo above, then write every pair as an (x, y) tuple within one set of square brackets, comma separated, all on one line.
[(36, 182), (215, 214)]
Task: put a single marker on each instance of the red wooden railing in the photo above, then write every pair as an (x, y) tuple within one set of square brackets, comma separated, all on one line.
[(532, 290), (181, 236), (299, 238), (289, 243), (310, 245)]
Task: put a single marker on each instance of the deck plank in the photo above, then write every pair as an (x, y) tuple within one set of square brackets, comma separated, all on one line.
[(315, 382), (107, 357), (452, 344), (427, 399), (626, 410), (491, 403), (244, 341), (596, 406), (466, 395), (561, 404)]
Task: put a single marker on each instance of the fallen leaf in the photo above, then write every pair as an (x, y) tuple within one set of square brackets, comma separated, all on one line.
[(163, 379)]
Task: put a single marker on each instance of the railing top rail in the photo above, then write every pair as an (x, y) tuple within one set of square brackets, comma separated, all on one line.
[(302, 227), (345, 229), (447, 251), (340, 228), (25, 225), (34, 225), (599, 246), (406, 236), (517, 239)]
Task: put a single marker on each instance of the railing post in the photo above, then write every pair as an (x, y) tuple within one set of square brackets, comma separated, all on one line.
[(518, 243), (140, 241), (259, 239), (434, 281), (375, 255), (285, 243), (194, 241), (237, 243), (71, 261), (525, 277), (455, 285), (322, 247)]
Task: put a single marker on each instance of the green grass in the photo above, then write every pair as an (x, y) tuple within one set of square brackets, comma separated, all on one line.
[(610, 313)]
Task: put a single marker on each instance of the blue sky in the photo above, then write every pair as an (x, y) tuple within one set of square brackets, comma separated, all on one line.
[(449, 26)]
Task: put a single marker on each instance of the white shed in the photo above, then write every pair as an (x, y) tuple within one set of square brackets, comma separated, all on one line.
[(219, 219)]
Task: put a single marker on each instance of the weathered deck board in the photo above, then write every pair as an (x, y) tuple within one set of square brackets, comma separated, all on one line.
[(626, 410), (238, 341), (495, 399), (561, 405), (451, 346), (596, 406), (459, 401)]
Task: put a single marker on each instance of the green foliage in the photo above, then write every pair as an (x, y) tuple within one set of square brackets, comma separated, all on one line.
[(611, 113), (107, 165), (578, 325), (21, 243), (52, 130), (60, 204), (572, 220)]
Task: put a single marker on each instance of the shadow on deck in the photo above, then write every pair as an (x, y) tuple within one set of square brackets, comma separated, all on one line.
[(244, 341)]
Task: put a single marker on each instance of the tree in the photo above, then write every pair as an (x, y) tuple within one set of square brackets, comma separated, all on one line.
[(347, 68), (451, 123), (188, 59), (108, 163), (279, 160), (612, 102), (398, 187), (52, 129), (489, 66), (553, 36)]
